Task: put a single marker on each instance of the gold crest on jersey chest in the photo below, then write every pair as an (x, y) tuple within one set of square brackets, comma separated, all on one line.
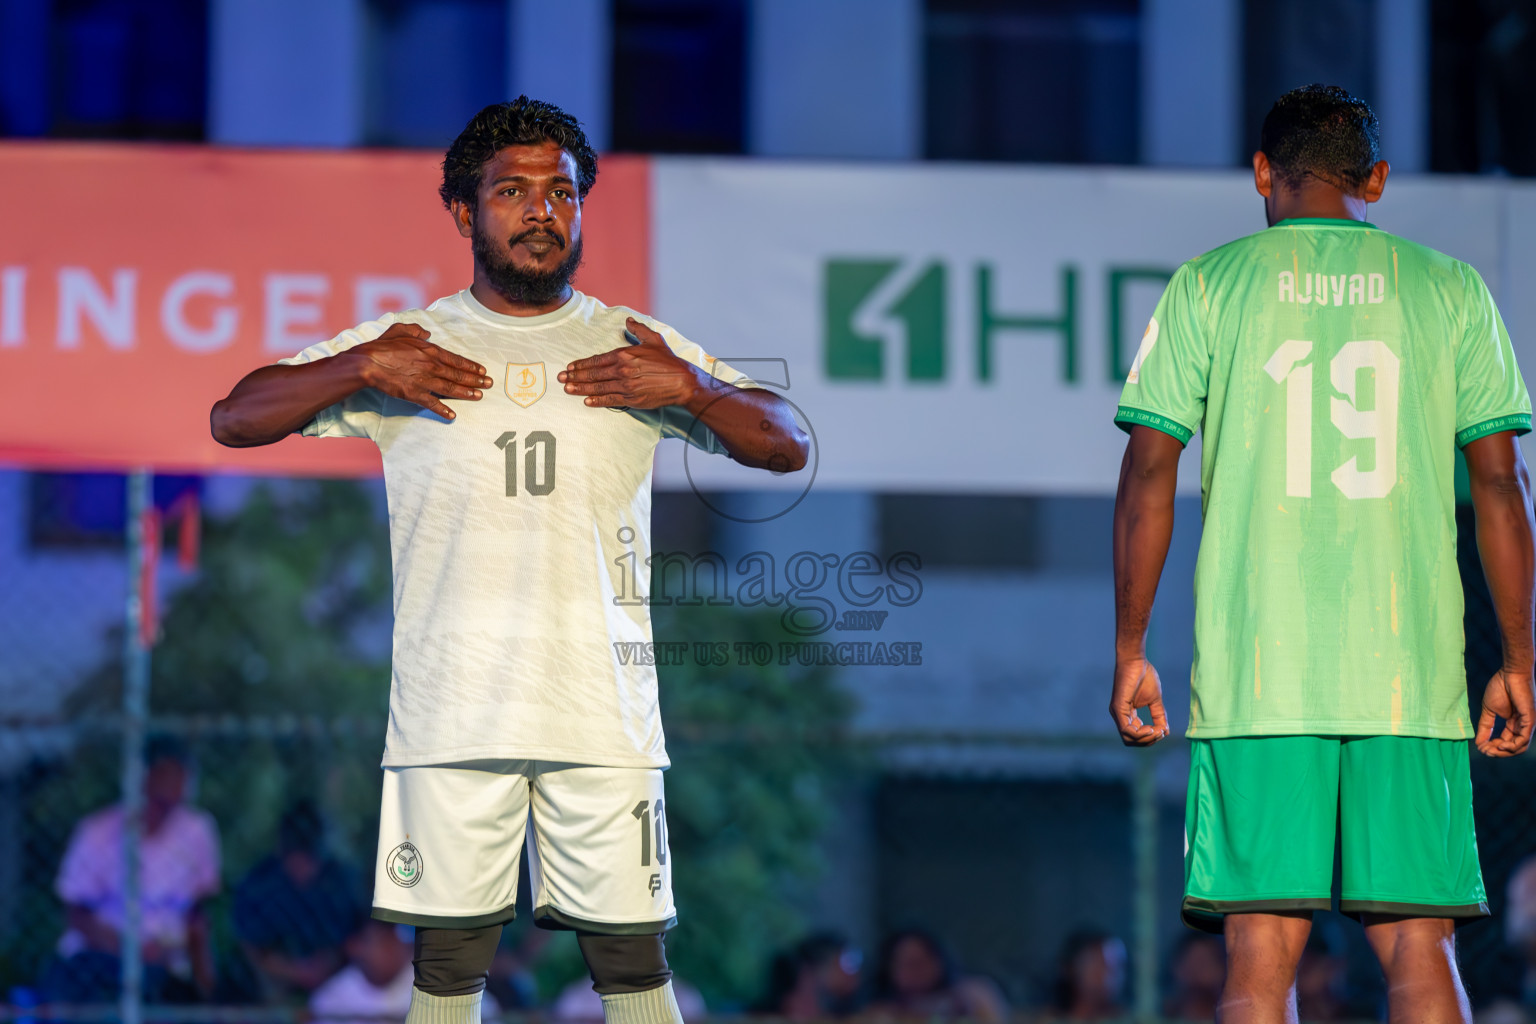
[(525, 383)]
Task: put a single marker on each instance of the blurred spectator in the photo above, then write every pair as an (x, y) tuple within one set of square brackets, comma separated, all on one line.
[(1520, 925), (1501, 1011), (819, 978), (1090, 977), (579, 1003), (178, 870), (1516, 1004), (512, 981), (1322, 977), (1199, 970), (293, 911), (916, 977), (376, 983)]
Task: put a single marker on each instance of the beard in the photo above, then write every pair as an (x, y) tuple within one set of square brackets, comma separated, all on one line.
[(517, 284)]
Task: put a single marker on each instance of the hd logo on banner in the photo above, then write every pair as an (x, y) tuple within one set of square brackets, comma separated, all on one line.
[(869, 304)]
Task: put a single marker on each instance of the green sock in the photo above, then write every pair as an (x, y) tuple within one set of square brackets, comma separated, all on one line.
[(653, 1006)]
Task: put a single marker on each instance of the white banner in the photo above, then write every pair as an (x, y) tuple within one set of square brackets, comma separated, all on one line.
[(966, 328)]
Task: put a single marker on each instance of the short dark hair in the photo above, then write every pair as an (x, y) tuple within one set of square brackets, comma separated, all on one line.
[(302, 829), (523, 122), (1322, 132), (166, 747)]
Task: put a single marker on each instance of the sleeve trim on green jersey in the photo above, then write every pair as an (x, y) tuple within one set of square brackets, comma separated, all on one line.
[(1127, 417), (1519, 422)]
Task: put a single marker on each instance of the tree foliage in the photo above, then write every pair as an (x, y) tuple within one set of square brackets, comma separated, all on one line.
[(290, 592)]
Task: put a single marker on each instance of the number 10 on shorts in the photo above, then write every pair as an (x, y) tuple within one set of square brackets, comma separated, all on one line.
[(651, 821)]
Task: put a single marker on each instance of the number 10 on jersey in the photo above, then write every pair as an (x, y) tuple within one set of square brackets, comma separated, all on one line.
[(1379, 424), (538, 480)]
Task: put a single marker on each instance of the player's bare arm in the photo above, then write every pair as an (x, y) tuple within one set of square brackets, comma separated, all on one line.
[(755, 426), (1143, 531), (1501, 498), (272, 402)]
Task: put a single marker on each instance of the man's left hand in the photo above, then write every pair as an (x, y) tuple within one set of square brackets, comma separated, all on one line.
[(1137, 685), (1508, 696), (644, 376)]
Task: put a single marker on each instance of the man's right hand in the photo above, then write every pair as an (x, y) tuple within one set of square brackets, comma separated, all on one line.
[(402, 363), (1509, 696)]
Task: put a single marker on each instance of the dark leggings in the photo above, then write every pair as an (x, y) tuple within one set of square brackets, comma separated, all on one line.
[(455, 961)]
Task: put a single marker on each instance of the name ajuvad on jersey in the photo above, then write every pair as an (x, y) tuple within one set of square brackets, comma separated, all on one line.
[(1333, 289)]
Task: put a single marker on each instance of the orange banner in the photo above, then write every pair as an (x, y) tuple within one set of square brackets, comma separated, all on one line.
[(138, 283)]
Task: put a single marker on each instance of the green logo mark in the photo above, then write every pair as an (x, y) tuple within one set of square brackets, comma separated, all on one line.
[(871, 302)]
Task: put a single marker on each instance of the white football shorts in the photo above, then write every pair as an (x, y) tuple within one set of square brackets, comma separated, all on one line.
[(450, 837)]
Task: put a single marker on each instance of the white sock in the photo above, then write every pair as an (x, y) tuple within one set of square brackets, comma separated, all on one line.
[(430, 1009), (653, 1006)]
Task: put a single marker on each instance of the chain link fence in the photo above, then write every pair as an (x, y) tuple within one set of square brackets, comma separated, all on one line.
[(1004, 865), (1024, 857)]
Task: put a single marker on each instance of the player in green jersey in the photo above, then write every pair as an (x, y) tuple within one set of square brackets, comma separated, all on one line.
[(1332, 369)]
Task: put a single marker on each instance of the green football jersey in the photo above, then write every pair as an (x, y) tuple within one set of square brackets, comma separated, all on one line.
[(1332, 367)]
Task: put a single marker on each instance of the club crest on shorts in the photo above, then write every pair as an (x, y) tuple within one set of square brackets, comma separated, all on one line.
[(525, 383), (404, 866)]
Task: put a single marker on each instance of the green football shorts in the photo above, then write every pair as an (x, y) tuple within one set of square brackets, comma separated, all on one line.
[(1260, 822)]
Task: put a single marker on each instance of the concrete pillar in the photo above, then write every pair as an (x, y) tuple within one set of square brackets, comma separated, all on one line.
[(1402, 83), (286, 72), (1191, 83), (563, 53), (836, 80)]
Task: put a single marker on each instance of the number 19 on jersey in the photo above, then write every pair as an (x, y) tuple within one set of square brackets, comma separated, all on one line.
[(1286, 366)]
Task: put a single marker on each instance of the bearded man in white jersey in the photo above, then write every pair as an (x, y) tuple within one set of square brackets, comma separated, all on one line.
[(515, 504)]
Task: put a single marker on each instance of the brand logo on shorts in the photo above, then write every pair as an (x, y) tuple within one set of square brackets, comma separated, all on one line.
[(655, 884), (404, 865)]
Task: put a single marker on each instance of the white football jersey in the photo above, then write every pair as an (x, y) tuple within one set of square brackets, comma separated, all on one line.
[(520, 533)]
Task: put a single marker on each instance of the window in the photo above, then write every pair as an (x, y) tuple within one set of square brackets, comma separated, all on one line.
[(85, 510), (962, 531), (1053, 81), (1286, 46), (682, 523), (430, 65), (1482, 88), (1000, 532), (127, 70), (679, 76)]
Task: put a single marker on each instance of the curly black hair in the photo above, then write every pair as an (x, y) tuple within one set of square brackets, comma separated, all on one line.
[(1322, 132), (522, 122)]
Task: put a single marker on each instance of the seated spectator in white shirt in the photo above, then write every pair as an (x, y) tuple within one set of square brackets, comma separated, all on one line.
[(178, 871)]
